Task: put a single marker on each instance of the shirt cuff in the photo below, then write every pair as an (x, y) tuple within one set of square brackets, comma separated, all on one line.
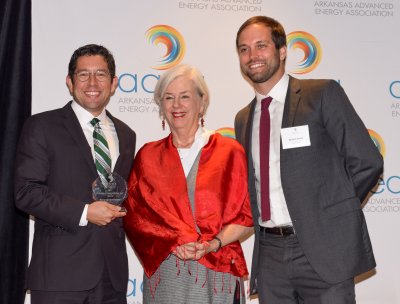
[(84, 221)]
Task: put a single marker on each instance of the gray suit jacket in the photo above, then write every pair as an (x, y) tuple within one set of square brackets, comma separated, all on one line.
[(53, 177), (324, 184)]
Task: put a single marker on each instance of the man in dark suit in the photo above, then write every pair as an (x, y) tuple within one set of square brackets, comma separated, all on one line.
[(78, 252), (308, 185)]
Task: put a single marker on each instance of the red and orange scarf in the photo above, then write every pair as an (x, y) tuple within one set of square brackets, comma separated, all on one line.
[(159, 215)]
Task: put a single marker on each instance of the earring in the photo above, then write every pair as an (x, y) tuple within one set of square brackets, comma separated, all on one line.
[(163, 124), (202, 121)]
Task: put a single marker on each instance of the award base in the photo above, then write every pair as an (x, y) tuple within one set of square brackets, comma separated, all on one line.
[(114, 192)]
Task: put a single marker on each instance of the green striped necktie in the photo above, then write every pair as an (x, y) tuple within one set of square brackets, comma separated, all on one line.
[(102, 153)]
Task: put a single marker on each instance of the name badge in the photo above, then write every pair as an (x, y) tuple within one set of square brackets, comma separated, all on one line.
[(295, 137)]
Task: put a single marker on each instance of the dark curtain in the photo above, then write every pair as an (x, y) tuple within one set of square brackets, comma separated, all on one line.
[(15, 107)]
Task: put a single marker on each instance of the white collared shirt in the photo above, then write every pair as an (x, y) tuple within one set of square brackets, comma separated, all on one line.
[(279, 211), (106, 124)]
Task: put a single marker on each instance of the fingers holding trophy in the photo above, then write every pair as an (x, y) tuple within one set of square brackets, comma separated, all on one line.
[(112, 189)]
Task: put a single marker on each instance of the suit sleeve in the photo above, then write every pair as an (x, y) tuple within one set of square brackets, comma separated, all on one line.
[(363, 161), (32, 191), (240, 127)]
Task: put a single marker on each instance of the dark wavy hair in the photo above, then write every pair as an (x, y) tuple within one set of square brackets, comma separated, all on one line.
[(91, 50), (277, 30)]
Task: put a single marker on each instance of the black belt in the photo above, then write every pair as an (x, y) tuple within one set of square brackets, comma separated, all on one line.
[(284, 230)]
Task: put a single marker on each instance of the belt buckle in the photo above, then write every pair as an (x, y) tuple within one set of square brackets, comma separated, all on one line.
[(280, 231)]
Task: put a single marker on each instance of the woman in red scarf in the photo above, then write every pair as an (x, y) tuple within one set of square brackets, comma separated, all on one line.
[(188, 202)]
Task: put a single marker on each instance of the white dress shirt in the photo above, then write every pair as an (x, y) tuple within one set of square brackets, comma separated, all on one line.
[(106, 124), (279, 212)]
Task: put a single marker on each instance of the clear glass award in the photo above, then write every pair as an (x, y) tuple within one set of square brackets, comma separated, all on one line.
[(113, 191)]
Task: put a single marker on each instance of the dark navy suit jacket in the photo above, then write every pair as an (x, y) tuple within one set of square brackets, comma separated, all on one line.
[(53, 177)]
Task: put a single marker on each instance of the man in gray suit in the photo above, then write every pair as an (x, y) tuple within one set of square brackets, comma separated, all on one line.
[(78, 252), (308, 185)]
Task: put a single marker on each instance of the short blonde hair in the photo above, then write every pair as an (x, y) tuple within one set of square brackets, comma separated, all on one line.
[(182, 70)]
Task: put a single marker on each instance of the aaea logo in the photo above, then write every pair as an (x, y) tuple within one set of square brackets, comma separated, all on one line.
[(172, 40), (227, 132), (310, 48)]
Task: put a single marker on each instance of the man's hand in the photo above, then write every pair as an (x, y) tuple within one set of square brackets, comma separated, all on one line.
[(102, 213)]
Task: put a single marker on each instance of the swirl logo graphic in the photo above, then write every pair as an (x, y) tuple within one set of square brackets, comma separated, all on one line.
[(227, 132), (172, 40), (310, 47), (378, 141)]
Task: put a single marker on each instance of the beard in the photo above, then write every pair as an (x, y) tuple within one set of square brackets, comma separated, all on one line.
[(264, 75)]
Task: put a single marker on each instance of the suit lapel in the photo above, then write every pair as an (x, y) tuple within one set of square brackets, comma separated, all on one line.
[(73, 127), (248, 143), (249, 130), (291, 102), (289, 114)]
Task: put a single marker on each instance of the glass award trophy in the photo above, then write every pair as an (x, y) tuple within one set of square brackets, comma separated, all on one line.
[(113, 191)]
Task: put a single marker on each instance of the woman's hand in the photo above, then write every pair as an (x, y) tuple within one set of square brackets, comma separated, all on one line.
[(196, 250), (191, 251)]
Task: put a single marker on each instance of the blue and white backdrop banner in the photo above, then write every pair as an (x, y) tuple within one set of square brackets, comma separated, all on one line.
[(352, 41)]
